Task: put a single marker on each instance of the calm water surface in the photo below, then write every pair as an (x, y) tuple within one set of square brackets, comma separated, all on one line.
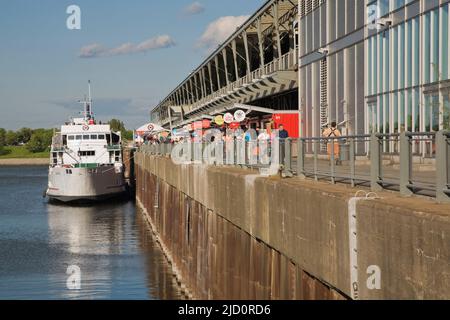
[(109, 242)]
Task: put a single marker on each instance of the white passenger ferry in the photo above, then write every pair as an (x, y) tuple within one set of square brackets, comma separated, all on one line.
[(85, 160)]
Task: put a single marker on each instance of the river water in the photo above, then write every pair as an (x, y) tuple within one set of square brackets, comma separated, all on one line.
[(109, 244)]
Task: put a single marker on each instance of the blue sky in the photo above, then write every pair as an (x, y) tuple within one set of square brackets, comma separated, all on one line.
[(137, 51)]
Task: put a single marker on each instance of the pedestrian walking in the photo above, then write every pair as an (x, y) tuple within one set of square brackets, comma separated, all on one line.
[(332, 135)]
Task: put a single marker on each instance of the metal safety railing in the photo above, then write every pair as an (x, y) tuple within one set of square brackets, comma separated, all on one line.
[(409, 163)]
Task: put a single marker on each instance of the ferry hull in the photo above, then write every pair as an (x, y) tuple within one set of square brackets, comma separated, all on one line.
[(85, 184)]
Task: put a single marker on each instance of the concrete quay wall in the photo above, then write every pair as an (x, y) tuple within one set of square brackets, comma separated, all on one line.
[(234, 234)]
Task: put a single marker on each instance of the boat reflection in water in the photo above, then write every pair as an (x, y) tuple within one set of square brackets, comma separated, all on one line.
[(114, 250)]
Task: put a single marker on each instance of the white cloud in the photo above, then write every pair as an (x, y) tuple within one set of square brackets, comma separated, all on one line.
[(155, 43), (92, 50), (125, 48), (97, 50), (219, 30), (194, 8)]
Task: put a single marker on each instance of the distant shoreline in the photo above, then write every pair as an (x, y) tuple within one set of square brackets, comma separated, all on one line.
[(24, 162)]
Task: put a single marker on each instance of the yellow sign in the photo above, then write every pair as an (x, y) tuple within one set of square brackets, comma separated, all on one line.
[(219, 120)]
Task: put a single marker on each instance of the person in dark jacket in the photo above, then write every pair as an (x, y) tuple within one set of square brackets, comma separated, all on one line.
[(283, 133)]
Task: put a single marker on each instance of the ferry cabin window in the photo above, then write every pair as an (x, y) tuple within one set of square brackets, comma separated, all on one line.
[(86, 153), (93, 137), (86, 137), (101, 137), (78, 137), (71, 138), (115, 138)]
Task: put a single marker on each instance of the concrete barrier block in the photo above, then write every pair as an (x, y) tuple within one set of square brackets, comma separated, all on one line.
[(409, 241)]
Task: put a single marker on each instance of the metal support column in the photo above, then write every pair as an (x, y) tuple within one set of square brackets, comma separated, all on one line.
[(291, 31), (175, 98), (186, 95), (210, 77), (236, 69), (225, 62), (247, 54), (301, 159), (199, 90), (260, 43), (352, 161), (287, 155), (192, 91), (276, 23), (316, 145), (375, 163), (182, 113), (405, 164), (204, 82), (191, 94), (216, 62), (169, 110), (180, 98)]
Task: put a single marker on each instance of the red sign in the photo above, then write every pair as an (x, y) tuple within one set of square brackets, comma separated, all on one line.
[(235, 125), (206, 124), (290, 121), (198, 125)]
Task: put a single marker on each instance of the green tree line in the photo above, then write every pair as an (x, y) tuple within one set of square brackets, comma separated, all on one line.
[(118, 126), (40, 140), (35, 140)]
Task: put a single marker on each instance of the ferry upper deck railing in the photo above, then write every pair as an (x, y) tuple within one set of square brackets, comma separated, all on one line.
[(408, 163)]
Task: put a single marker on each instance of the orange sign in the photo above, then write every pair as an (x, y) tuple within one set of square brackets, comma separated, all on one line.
[(206, 124)]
